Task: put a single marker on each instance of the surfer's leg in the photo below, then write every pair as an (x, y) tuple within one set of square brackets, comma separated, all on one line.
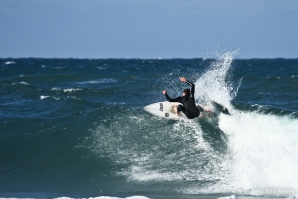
[(181, 108), (188, 115)]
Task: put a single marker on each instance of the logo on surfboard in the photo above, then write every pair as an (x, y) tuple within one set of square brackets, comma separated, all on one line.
[(161, 107)]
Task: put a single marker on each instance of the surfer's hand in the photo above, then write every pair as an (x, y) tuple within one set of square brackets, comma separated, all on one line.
[(164, 92), (182, 79)]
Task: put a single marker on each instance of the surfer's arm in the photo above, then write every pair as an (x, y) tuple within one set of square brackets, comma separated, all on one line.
[(178, 99), (192, 90)]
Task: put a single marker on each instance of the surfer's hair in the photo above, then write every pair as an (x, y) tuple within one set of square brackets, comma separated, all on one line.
[(186, 92)]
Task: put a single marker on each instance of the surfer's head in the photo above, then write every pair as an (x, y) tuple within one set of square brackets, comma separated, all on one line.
[(186, 92)]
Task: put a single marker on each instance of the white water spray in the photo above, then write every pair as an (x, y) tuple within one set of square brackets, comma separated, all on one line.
[(213, 85), (263, 148)]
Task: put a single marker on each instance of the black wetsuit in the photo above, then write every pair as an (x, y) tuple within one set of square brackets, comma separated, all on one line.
[(189, 107)]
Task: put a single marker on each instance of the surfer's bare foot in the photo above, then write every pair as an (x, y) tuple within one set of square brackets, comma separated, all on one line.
[(176, 109)]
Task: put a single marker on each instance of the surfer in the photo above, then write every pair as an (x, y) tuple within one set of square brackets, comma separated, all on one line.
[(188, 107)]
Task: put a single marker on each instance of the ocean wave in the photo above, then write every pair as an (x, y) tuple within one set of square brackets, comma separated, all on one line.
[(74, 98), (101, 81), (44, 97), (101, 142), (262, 145), (9, 62), (20, 83), (66, 89), (157, 155), (265, 143)]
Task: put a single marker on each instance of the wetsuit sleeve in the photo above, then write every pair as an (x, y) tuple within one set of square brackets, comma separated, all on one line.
[(192, 89), (178, 99)]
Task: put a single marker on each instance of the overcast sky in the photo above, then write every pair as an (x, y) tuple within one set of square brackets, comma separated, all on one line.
[(148, 28)]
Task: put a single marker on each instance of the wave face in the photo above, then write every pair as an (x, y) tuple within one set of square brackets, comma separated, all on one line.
[(77, 128)]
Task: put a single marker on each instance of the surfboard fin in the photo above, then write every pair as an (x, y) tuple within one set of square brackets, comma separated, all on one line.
[(220, 108)]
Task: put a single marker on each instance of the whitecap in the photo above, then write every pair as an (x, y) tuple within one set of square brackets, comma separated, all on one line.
[(22, 83), (65, 90), (43, 97), (10, 62), (73, 97), (101, 81), (71, 89), (56, 89)]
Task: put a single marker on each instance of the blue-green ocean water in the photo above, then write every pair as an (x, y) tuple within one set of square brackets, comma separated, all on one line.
[(77, 128)]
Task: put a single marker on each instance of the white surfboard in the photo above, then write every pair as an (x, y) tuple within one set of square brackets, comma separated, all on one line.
[(165, 110)]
